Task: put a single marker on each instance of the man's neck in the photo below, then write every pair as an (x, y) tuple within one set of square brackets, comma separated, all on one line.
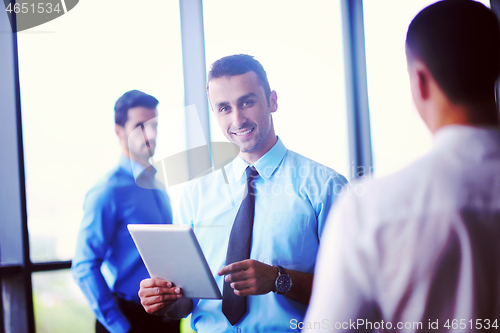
[(479, 114), (256, 155), (144, 163)]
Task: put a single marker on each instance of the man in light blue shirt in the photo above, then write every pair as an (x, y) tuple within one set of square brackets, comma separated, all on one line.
[(293, 195), (107, 265)]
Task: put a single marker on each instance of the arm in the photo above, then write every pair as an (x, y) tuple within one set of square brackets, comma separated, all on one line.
[(252, 277), (343, 283), (334, 186), (96, 231), (160, 297)]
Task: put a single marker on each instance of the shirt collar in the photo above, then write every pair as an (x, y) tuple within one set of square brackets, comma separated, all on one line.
[(477, 139), (266, 165), (133, 168)]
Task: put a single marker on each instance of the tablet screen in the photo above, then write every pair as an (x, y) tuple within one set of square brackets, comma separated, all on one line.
[(172, 253)]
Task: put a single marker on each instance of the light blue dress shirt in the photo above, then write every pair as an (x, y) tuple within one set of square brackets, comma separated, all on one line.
[(106, 261), (293, 197)]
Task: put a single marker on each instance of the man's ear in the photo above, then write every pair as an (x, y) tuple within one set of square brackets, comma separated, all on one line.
[(423, 84), (273, 101), (420, 78), (120, 131)]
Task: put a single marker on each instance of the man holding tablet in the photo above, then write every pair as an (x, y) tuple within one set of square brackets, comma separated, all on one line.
[(259, 222)]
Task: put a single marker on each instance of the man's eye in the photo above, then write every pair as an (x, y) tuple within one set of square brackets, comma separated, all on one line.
[(139, 125), (248, 103), (223, 109)]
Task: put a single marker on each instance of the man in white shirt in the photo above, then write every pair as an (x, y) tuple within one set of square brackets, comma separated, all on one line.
[(276, 215), (419, 250)]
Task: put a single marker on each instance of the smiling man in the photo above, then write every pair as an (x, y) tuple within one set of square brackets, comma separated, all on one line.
[(261, 232)]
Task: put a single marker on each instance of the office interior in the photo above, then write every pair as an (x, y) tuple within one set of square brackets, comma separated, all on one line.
[(338, 67)]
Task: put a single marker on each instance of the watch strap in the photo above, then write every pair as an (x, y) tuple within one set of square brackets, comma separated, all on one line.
[(281, 270)]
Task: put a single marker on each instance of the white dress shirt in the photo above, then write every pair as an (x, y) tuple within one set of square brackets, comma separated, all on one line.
[(417, 249), (293, 196)]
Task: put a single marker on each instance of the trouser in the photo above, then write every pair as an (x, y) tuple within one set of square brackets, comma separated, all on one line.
[(141, 321)]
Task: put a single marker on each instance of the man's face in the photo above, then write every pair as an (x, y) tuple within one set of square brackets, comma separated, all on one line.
[(139, 133), (242, 111)]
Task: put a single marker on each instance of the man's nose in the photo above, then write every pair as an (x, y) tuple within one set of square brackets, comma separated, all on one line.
[(238, 117), (150, 130)]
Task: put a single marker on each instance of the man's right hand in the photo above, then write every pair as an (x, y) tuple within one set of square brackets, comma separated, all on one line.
[(158, 295)]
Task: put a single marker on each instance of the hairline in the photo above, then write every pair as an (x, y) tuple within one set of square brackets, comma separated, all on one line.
[(259, 80)]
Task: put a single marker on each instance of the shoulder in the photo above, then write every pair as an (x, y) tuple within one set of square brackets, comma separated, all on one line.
[(109, 186), (207, 183), (311, 170), (395, 197), (379, 216)]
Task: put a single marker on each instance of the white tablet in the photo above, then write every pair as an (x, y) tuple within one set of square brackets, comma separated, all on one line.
[(172, 253)]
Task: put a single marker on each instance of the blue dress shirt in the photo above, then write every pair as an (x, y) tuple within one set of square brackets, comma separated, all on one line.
[(106, 261), (293, 197)]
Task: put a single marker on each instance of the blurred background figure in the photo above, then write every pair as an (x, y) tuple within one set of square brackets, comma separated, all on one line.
[(107, 265), (419, 249)]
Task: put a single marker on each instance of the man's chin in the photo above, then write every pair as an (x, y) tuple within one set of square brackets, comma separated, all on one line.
[(141, 158), (247, 149)]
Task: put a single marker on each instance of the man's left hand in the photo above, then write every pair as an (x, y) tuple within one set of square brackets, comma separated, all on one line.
[(250, 277)]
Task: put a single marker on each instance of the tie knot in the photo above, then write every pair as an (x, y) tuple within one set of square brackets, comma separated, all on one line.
[(252, 173)]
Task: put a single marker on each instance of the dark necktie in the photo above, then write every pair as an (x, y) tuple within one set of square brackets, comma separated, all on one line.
[(240, 241)]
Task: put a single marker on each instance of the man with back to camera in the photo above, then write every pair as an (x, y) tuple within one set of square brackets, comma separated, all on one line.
[(419, 249), (107, 265), (276, 227)]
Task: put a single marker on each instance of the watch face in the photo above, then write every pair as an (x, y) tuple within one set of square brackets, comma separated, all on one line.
[(283, 283)]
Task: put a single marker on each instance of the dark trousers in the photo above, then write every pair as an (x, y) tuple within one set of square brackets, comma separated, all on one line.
[(141, 321)]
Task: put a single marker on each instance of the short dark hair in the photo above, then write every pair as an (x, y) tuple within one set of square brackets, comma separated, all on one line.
[(238, 64), (459, 42), (132, 99)]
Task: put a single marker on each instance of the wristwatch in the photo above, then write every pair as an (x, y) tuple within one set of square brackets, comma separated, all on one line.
[(283, 281)]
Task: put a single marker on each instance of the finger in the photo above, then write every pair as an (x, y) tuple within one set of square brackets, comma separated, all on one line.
[(154, 309), (158, 309), (158, 299), (251, 290), (225, 270), (234, 267), (155, 291), (241, 285), (155, 282), (237, 276)]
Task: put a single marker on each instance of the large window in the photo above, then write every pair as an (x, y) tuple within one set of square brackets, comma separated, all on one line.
[(71, 73), (300, 46), (72, 70)]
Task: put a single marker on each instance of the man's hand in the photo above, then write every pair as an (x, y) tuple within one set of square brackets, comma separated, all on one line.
[(250, 277), (158, 295)]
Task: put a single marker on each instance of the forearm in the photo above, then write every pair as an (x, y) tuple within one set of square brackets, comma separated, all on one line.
[(301, 286), (180, 309), (100, 298)]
